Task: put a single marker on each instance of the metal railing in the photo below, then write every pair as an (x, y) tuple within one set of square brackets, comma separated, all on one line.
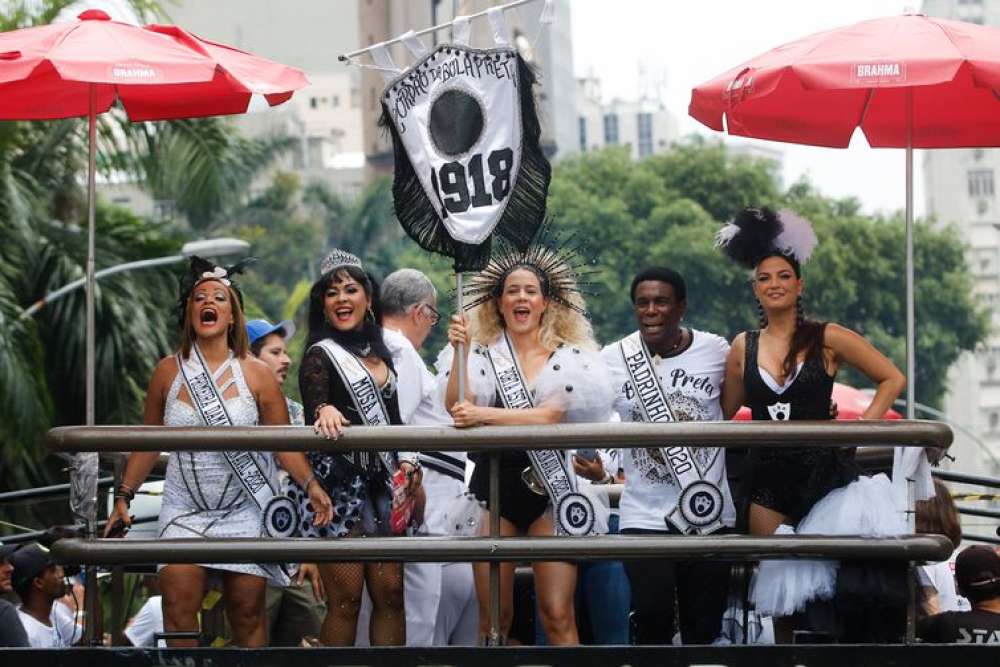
[(494, 548)]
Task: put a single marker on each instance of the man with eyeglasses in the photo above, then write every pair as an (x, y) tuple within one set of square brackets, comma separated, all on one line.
[(441, 607)]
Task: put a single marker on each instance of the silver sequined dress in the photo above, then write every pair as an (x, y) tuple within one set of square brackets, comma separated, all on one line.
[(202, 497)]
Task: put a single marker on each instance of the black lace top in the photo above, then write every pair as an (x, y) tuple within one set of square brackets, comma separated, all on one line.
[(320, 383), (808, 396), (792, 480)]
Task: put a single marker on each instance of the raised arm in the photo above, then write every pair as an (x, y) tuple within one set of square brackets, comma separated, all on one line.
[(732, 386), (851, 348), (458, 336)]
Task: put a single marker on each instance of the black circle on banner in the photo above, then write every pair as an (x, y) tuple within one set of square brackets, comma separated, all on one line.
[(456, 122)]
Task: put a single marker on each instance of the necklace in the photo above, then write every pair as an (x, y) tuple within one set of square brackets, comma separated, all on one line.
[(673, 348)]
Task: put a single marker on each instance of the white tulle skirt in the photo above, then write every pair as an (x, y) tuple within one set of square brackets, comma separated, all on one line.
[(864, 507)]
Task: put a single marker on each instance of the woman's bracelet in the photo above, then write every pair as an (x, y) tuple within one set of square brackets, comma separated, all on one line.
[(309, 480), (316, 411), (125, 492)]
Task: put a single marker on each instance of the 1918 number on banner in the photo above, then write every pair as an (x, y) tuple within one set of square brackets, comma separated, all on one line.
[(463, 186)]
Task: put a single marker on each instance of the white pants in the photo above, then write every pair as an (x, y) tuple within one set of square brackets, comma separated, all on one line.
[(440, 598)]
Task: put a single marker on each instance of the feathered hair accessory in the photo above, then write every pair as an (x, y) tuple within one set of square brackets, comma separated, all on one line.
[(557, 259), (756, 233), (201, 270)]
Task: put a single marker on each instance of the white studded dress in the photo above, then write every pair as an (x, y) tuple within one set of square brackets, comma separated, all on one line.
[(202, 497)]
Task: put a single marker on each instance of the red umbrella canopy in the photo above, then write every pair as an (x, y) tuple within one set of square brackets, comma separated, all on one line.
[(158, 72), (851, 404), (818, 89)]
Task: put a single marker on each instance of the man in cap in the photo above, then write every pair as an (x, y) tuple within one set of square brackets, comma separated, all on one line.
[(977, 573), (296, 611), (39, 582), (11, 630)]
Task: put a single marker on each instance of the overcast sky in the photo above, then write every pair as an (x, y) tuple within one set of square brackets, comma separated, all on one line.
[(684, 43)]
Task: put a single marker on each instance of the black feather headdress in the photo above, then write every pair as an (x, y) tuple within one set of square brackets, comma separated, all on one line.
[(200, 270), (756, 233), (558, 259)]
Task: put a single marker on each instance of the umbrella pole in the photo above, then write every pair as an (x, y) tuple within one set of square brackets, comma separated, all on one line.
[(90, 504), (911, 352)]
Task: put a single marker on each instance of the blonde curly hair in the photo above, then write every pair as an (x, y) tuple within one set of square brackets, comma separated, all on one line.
[(559, 324)]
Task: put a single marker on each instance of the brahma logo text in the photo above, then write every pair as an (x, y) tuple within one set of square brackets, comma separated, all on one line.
[(133, 72), (870, 72)]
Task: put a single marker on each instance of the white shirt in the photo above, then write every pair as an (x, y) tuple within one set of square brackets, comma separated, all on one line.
[(147, 623), (941, 578), (692, 383), (419, 403), (62, 632)]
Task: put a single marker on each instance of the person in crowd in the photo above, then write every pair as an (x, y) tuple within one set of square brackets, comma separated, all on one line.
[(785, 371), (528, 326), (939, 516), (669, 372), (214, 380), (347, 376), (12, 633), (977, 571), (142, 628), (441, 606), (39, 582), (294, 612)]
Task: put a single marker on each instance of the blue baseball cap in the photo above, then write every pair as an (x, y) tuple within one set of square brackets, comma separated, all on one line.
[(257, 329)]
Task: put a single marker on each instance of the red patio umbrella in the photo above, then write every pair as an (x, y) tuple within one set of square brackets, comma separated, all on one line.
[(156, 72), (907, 81), (851, 404)]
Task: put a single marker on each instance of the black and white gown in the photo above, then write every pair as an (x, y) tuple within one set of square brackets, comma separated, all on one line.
[(820, 490)]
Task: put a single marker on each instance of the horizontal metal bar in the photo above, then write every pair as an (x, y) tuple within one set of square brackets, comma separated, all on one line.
[(900, 433), (57, 532), (814, 655), (975, 511), (965, 478), (452, 549), (988, 539), (53, 491)]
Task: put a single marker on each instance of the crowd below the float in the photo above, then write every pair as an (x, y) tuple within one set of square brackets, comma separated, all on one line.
[(529, 357)]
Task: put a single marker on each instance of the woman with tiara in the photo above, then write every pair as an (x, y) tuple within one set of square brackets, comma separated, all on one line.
[(213, 380), (785, 371), (530, 359), (347, 377)]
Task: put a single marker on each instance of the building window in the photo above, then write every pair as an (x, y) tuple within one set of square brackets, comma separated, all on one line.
[(313, 102), (980, 182), (583, 134), (610, 129), (336, 100), (644, 123)]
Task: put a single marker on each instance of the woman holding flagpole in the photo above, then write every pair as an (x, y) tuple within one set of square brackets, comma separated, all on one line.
[(531, 359), (347, 377), (214, 381)]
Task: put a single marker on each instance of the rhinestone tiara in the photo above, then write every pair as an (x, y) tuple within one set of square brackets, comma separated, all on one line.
[(338, 258)]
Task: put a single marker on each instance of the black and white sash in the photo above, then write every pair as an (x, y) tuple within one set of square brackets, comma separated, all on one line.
[(699, 508), (574, 512), (278, 513), (363, 390)]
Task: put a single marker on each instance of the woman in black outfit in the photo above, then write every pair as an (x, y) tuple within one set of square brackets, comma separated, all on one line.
[(786, 371), (342, 307)]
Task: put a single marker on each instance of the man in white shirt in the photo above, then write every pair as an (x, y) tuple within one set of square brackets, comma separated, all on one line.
[(667, 372), (39, 582), (147, 623), (441, 606)]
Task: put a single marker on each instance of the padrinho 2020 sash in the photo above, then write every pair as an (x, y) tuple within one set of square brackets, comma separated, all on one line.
[(699, 506), (573, 511), (363, 390), (279, 514)]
